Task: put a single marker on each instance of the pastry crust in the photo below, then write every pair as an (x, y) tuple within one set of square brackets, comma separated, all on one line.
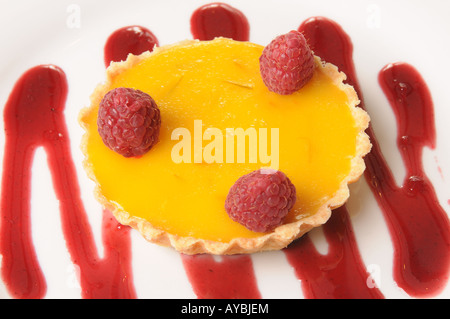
[(279, 238)]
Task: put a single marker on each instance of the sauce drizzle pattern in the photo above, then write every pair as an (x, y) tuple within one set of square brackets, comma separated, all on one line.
[(33, 117), (419, 226)]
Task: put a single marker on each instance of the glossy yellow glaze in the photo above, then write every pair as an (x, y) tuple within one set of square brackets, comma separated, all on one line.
[(218, 82)]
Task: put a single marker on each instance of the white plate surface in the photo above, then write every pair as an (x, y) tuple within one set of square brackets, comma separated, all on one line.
[(39, 32)]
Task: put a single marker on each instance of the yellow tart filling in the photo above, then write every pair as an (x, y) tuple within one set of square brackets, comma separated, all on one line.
[(204, 85)]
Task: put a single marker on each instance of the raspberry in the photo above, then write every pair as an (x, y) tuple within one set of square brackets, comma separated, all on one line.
[(261, 199), (287, 63), (128, 121)]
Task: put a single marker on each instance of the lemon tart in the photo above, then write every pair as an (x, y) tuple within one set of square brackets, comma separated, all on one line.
[(207, 91)]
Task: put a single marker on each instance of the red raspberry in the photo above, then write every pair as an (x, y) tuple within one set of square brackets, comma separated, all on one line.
[(261, 199), (128, 121), (287, 63)]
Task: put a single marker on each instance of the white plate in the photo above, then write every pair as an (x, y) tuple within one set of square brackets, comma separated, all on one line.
[(38, 32)]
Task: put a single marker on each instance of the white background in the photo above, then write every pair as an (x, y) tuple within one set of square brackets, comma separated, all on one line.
[(39, 32)]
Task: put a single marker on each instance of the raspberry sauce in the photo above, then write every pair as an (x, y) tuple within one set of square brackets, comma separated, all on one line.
[(219, 20), (34, 117), (339, 274), (231, 277), (419, 226), (126, 40)]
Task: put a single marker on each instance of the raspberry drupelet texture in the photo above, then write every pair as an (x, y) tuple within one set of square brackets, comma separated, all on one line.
[(287, 63), (128, 121), (261, 199)]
